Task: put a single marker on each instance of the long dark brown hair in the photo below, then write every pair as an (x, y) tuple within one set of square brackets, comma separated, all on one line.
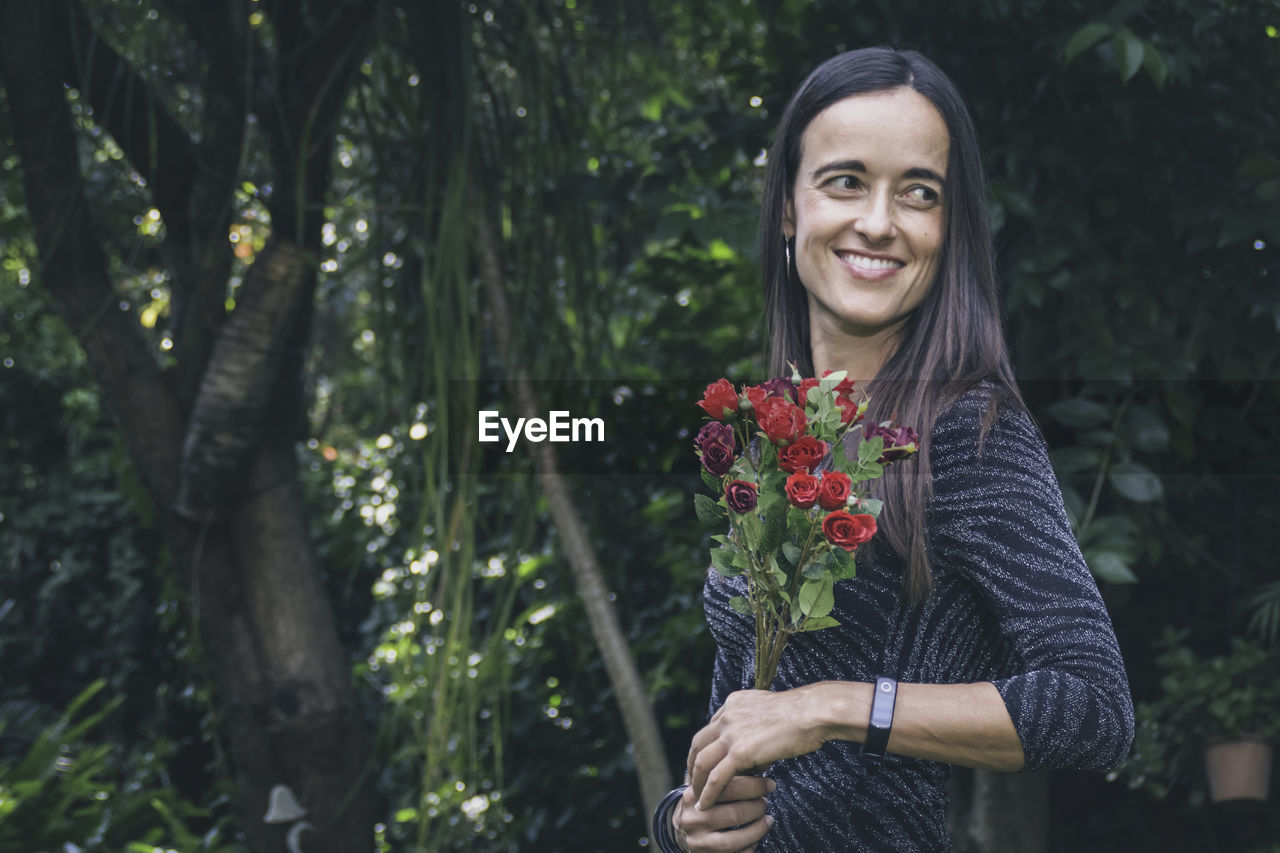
[(952, 341)]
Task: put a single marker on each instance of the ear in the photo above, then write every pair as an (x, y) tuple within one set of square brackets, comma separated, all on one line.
[(789, 220)]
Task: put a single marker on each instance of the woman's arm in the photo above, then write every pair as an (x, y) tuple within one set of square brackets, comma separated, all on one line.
[(997, 520), (965, 724)]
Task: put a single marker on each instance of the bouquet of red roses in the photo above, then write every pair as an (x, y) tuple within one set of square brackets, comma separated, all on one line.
[(794, 522)]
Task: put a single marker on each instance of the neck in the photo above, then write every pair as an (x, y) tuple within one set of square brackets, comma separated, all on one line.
[(861, 356)]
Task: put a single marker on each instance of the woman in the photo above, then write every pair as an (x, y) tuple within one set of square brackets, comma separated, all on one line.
[(974, 633)]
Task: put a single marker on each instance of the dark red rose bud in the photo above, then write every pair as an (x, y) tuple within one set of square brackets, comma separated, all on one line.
[(803, 455), (719, 400), (848, 531), (899, 441), (740, 495), (802, 489), (715, 441)]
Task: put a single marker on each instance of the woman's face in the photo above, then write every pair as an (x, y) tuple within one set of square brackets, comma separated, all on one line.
[(867, 211)]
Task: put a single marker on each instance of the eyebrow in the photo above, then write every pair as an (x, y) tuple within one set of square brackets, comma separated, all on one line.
[(859, 166)]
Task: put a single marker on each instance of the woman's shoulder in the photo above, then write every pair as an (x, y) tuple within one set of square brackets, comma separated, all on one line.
[(987, 424), (986, 407)]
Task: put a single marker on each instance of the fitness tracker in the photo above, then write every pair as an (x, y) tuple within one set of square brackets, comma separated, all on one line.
[(886, 694)]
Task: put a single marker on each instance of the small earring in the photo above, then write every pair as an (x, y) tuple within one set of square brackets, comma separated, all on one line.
[(786, 248)]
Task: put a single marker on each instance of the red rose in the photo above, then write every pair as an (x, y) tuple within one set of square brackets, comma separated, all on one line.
[(715, 440), (782, 420), (834, 490), (805, 385), (899, 441), (802, 489), (804, 454), (848, 531), (740, 495), (844, 388), (719, 400), (849, 413), (779, 387)]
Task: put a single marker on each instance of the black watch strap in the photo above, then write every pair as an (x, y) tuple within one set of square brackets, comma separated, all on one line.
[(886, 695)]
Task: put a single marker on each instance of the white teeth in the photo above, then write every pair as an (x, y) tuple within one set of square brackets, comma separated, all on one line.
[(865, 263)]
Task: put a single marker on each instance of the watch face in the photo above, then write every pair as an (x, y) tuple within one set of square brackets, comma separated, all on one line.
[(882, 706)]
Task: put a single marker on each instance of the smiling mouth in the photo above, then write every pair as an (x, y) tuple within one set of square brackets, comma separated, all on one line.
[(862, 262)]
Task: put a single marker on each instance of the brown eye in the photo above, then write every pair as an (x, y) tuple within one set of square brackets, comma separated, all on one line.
[(845, 182), (924, 195)]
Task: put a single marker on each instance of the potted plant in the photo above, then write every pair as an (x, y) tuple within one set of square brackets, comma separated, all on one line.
[(1222, 710)]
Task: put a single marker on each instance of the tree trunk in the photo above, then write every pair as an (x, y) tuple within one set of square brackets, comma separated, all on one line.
[(287, 710), (637, 711)]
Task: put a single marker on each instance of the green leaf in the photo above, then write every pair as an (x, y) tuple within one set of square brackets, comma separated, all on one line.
[(798, 522), (775, 527), (841, 564), (828, 383), (869, 450), (1154, 62), (817, 624), (722, 560), (709, 512), (779, 577), (840, 459), (1148, 432), (1109, 566), (741, 605), (1079, 413), (871, 507), (1128, 49), (713, 482), (791, 552), (817, 597), (1073, 460), (1136, 482), (1085, 38), (814, 569), (868, 471), (768, 455)]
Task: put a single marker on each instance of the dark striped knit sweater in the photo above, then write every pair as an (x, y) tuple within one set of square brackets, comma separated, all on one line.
[(1013, 603)]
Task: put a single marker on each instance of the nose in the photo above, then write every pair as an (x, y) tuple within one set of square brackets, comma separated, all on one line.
[(875, 218)]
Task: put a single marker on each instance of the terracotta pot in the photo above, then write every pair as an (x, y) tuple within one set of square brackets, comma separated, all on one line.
[(1238, 769)]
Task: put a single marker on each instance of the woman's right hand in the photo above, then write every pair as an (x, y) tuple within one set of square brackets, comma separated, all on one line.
[(741, 805)]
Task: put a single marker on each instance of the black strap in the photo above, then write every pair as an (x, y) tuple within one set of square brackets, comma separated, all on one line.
[(881, 722)]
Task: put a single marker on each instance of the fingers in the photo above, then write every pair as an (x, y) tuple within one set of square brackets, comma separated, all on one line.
[(735, 840), (716, 781), (701, 740), (733, 827), (747, 788)]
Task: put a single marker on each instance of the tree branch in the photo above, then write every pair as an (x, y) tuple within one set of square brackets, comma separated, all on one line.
[(74, 265), (318, 46), (239, 385), (157, 146)]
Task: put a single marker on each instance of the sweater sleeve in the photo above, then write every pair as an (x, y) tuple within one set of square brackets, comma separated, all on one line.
[(997, 517)]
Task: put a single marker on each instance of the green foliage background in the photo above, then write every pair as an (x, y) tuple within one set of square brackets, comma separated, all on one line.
[(1134, 155)]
